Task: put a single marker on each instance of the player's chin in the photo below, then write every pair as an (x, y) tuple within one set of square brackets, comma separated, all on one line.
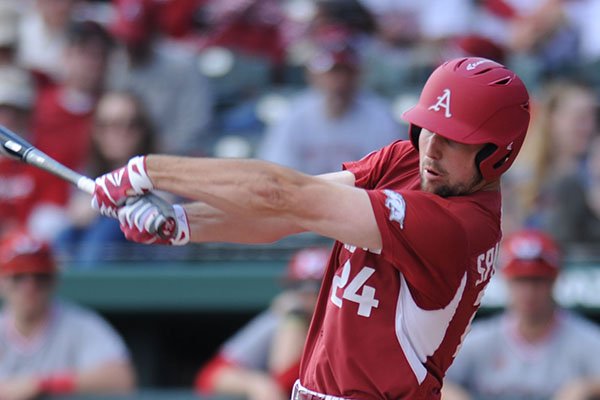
[(442, 189)]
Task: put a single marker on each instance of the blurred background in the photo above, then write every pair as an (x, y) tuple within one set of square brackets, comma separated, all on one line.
[(304, 83)]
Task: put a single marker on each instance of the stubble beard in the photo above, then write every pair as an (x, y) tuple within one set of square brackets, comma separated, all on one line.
[(459, 189)]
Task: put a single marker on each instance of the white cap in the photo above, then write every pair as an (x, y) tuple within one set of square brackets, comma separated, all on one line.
[(16, 88)]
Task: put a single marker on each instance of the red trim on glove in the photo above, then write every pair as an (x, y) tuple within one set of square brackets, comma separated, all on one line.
[(58, 384)]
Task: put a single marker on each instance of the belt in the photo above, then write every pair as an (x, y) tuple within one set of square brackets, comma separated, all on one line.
[(299, 392)]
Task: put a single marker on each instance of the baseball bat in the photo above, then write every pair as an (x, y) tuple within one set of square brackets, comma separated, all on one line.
[(16, 147)]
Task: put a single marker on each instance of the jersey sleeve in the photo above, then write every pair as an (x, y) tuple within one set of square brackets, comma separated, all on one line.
[(368, 170), (423, 239)]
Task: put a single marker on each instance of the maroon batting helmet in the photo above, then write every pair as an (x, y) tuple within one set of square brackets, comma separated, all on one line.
[(475, 101)]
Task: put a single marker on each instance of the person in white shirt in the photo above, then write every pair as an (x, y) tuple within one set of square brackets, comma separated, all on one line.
[(332, 121), (535, 350), (51, 347)]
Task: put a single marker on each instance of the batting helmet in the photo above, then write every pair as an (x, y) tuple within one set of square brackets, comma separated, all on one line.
[(475, 101), (530, 253)]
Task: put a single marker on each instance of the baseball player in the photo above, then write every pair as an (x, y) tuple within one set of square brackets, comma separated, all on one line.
[(416, 224), (535, 350), (49, 347)]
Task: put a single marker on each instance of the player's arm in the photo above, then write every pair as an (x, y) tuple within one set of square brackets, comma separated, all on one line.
[(452, 391), (246, 189), (210, 224), (110, 377), (258, 189)]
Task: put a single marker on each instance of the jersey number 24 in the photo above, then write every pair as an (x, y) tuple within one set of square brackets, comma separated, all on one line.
[(366, 299)]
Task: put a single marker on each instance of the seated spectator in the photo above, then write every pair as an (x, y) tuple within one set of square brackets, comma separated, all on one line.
[(168, 81), (563, 123), (534, 350), (574, 215), (63, 113), (47, 346), (333, 121), (121, 130), (43, 37), (28, 200), (9, 32), (262, 361)]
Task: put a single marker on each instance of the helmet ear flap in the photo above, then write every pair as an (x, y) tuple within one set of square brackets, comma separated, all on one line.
[(413, 133), (484, 153)]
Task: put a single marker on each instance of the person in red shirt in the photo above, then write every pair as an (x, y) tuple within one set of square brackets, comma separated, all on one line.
[(26, 196), (416, 224), (64, 112)]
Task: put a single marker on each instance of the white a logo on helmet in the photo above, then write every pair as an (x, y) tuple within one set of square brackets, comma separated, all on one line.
[(443, 101)]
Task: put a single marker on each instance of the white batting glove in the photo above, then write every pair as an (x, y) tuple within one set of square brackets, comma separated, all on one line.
[(151, 220), (113, 188)]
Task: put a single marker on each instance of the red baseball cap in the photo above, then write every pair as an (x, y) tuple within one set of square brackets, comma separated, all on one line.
[(22, 254), (530, 254), (133, 20), (307, 265)]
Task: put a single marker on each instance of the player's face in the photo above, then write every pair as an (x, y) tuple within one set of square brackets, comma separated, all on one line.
[(447, 167)]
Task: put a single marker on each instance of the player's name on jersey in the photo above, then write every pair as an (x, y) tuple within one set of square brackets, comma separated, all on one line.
[(574, 288)]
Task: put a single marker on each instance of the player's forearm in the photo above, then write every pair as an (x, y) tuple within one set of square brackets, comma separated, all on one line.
[(208, 224), (114, 377), (239, 187)]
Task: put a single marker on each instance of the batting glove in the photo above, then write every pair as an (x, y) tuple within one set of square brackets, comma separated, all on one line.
[(113, 188), (151, 220)]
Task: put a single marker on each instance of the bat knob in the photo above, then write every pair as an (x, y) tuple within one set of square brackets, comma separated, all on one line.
[(168, 228)]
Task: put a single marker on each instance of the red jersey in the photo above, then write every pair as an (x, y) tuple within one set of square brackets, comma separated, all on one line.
[(22, 188), (389, 322), (62, 133)]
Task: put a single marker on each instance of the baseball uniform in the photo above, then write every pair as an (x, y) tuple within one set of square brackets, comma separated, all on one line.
[(389, 321)]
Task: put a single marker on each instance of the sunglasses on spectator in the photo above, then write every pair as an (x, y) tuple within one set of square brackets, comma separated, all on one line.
[(40, 279)]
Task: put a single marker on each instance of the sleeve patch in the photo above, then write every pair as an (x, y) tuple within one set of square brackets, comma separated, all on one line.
[(397, 206)]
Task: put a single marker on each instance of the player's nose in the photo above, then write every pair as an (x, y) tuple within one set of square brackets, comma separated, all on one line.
[(434, 146)]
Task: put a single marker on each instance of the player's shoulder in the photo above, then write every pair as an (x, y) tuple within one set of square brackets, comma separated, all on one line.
[(399, 151)]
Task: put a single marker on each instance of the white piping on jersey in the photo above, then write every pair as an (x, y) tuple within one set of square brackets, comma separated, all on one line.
[(298, 388), (420, 332)]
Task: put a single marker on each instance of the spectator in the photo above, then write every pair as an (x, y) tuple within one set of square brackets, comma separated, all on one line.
[(63, 113), (262, 360), (120, 131), (51, 347), (44, 36), (534, 350), (28, 200), (332, 121), (574, 215), (173, 90), (562, 126), (541, 35), (9, 32)]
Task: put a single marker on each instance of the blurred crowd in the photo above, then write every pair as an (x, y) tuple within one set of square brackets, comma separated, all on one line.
[(304, 83)]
